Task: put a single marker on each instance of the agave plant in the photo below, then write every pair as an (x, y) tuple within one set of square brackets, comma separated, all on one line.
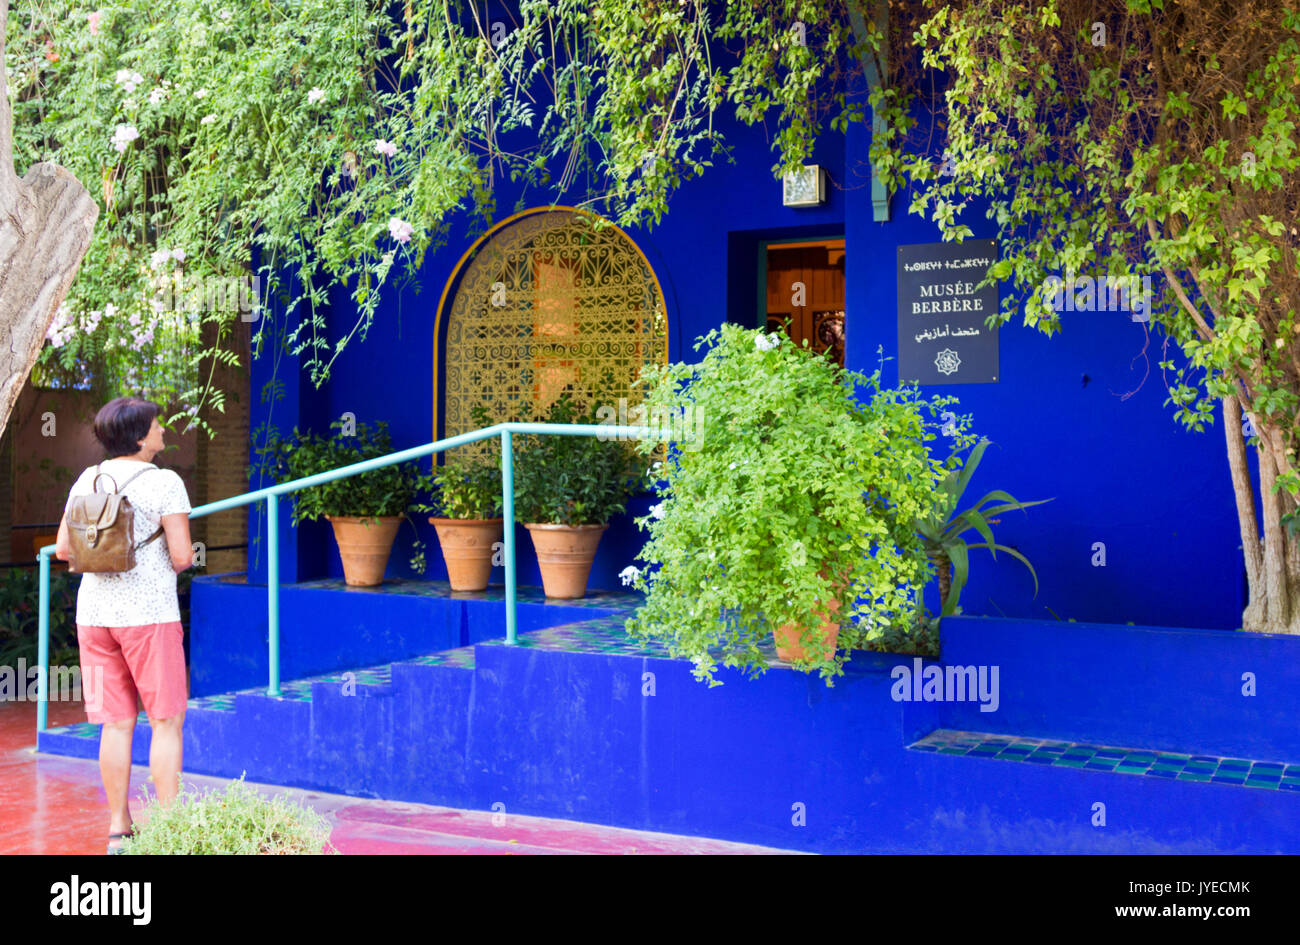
[(942, 531)]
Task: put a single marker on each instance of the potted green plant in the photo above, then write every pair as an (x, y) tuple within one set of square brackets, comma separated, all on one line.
[(791, 515), (366, 510), (567, 488), (469, 523), (943, 530)]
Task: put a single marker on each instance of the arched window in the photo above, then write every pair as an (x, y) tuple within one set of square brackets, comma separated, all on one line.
[(545, 303)]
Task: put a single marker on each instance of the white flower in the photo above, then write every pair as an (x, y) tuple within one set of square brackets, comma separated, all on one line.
[(123, 137), (629, 574), (156, 95), (657, 511), (207, 119), (385, 147), (61, 328), (128, 104), (178, 255), (158, 258), (732, 466), (224, 14), (128, 79), (315, 95), (766, 342), (400, 230), (200, 93), (110, 310)]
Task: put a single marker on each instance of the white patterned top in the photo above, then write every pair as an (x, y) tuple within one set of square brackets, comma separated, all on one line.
[(147, 593)]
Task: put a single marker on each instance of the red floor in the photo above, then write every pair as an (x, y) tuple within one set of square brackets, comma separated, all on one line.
[(56, 805)]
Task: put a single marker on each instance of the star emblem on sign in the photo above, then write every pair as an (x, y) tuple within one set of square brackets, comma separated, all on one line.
[(947, 361)]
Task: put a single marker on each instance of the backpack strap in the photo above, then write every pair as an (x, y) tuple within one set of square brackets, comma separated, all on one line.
[(116, 488), (159, 530), (94, 483), (131, 478)]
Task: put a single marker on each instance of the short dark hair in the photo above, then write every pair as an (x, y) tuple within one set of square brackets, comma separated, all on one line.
[(122, 423)]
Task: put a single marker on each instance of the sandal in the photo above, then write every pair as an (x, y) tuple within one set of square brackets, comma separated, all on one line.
[(114, 850)]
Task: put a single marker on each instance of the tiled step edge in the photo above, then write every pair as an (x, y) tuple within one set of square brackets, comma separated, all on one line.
[(1237, 772)]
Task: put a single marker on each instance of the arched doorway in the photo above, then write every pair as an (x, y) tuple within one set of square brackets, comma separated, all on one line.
[(542, 304)]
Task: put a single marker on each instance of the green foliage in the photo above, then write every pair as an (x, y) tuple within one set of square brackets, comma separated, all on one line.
[(314, 133), (917, 638), (464, 489), (387, 491), (20, 616), (574, 480), (803, 487), (943, 530), (1162, 148), (234, 820)]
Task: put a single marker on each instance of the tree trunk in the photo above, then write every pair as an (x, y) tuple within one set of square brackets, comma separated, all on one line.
[(1273, 560), (46, 222), (944, 568)]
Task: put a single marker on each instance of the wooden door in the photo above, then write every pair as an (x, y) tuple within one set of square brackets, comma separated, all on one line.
[(805, 294)]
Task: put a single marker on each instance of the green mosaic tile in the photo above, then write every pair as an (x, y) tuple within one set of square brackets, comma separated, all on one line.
[(1203, 769)]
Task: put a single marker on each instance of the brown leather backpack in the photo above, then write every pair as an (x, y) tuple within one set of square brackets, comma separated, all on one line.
[(101, 529)]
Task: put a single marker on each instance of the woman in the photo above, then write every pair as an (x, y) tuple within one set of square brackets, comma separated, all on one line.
[(128, 624)]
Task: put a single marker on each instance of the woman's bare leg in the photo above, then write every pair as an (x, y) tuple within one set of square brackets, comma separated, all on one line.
[(115, 770), (165, 756)]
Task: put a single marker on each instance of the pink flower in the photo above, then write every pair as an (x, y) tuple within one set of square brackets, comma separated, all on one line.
[(123, 137), (400, 230), (385, 147), (93, 19)]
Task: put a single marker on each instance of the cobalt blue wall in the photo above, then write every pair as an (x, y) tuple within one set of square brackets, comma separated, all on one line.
[(1079, 418)]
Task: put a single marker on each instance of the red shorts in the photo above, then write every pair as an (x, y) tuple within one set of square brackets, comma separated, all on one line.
[(120, 663)]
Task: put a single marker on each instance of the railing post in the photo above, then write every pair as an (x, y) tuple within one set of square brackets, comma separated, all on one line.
[(273, 595), (508, 514), (42, 644)]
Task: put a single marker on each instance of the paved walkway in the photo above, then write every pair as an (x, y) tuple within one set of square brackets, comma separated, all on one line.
[(56, 805)]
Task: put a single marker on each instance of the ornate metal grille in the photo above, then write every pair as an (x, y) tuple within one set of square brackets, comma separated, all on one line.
[(550, 304)]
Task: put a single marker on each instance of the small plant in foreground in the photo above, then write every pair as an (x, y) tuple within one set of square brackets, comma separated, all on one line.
[(236, 819)]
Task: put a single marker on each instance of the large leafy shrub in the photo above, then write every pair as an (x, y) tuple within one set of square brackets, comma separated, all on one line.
[(803, 487)]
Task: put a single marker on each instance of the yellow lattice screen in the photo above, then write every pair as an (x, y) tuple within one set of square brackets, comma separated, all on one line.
[(549, 304)]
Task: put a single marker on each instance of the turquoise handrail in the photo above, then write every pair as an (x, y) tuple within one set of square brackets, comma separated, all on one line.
[(271, 494)]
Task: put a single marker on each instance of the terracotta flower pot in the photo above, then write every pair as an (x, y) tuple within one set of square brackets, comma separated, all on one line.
[(467, 549), (364, 545), (565, 554), (789, 645)]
